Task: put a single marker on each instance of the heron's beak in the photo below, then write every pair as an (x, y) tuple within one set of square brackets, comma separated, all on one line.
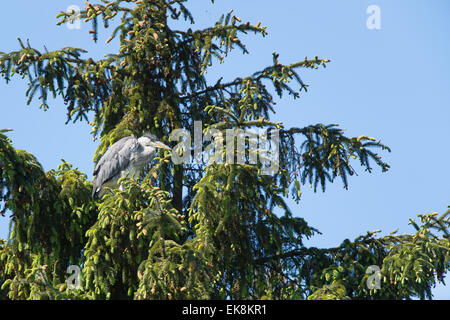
[(161, 145)]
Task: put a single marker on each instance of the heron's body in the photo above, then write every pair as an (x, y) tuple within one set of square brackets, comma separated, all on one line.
[(129, 155)]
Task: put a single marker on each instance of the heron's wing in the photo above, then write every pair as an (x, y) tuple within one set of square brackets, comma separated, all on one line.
[(116, 159)]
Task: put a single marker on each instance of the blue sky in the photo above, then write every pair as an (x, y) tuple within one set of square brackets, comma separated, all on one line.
[(392, 84)]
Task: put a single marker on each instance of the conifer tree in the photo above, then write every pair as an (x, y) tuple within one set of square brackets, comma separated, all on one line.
[(190, 230)]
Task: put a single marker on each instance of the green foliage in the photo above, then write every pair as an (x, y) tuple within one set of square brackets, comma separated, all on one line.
[(410, 265), (334, 291), (189, 231), (50, 215), (245, 234)]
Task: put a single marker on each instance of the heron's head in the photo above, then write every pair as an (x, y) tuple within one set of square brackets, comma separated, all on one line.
[(149, 140)]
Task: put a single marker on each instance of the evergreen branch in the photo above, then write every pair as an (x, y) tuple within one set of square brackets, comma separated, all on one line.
[(266, 73), (255, 123), (83, 83), (326, 154)]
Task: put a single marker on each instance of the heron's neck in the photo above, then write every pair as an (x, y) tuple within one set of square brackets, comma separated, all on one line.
[(149, 152), (145, 156)]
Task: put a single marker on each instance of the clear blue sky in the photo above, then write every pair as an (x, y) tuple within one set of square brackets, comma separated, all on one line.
[(391, 84)]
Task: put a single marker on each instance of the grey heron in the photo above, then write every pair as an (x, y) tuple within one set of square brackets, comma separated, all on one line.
[(128, 155)]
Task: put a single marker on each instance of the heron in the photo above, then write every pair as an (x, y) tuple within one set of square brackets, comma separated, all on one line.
[(129, 155)]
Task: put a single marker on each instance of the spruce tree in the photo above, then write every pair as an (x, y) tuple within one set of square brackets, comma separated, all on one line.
[(194, 230)]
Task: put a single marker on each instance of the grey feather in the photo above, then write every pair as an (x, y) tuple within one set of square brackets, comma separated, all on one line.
[(129, 154), (116, 159)]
